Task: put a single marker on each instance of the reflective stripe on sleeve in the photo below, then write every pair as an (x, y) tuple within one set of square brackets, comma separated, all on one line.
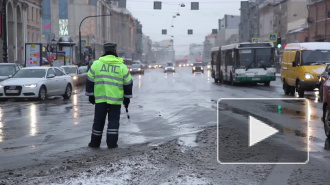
[(128, 96), (91, 70), (89, 93), (108, 83), (128, 83), (109, 77), (108, 98), (97, 131), (90, 79), (126, 75), (113, 133)]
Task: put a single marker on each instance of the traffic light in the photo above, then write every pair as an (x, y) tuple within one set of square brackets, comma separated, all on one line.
[(198, 59), (279, 43), (186, 58)]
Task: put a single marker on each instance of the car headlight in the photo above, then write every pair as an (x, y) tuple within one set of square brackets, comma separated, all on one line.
[(309, 76), (75, 78), (139, 69), (194, 68), (31, 86), (202, 68), (149, 66), (1, 86), (130, 69)]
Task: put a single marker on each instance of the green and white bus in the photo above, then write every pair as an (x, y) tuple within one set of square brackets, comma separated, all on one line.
[(244, 63)]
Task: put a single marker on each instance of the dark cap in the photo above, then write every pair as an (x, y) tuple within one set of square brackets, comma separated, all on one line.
[(110, 47)]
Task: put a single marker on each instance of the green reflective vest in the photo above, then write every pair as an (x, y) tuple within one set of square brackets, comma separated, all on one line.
[(109, 75)]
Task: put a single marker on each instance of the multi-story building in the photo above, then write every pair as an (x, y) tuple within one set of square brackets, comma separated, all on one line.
[(228, 26), (63, 18), (23, 25), (249, 24), (319, 20), (208, 44), (287, 18), (147, 53), (266, 19)]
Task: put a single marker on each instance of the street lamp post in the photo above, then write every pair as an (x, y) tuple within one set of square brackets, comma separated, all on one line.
[(4, 30), (80, 48)]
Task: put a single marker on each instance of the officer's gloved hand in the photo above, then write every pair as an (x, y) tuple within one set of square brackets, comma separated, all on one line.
[(126, 102), (91, 99)]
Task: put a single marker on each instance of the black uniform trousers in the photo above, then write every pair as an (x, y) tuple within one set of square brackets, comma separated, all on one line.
[(101, 112)]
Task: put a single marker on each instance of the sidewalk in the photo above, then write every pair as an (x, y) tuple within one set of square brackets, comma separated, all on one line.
[(278, 75)]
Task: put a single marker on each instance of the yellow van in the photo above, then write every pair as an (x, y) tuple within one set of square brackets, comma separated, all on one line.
[(302, 66)]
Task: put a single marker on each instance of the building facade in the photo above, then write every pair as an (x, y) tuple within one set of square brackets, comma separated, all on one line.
[(319, 20), (249, 24), (23, 25), (228, 26), (114, 25), (287, 18)]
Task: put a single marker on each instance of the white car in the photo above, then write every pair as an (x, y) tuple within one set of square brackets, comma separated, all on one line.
[(37, 82)]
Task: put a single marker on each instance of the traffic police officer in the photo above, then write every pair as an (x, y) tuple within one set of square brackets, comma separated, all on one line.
[(108, 85)]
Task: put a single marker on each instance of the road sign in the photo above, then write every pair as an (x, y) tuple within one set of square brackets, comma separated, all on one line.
[(272, 37), (255, 39)]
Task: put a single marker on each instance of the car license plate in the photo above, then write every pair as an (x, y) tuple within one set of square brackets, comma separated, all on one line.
[(255, 79), (12, 91)]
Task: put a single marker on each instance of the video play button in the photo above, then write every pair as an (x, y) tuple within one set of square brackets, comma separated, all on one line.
[(259, 131), (263, 131)]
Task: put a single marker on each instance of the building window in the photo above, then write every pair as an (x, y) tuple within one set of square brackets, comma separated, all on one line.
[(32, 14), (92, 2), (28, 37), (32, 37), (37, 15)]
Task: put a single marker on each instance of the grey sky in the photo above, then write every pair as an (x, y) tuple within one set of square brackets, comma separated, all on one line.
[(201, 21)]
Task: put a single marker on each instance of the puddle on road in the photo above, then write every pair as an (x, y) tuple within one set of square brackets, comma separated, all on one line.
[(296, 113), (188, 141), (18, 147)]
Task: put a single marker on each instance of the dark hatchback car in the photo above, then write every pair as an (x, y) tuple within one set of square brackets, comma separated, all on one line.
[(198, 67), (8, 69), (137, 69)]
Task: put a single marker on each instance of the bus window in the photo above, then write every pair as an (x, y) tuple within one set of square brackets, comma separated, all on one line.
[(214, 58), (245, 58), (223, 57), (264, 57), (229, 58)]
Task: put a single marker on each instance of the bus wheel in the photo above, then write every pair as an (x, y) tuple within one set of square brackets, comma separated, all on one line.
[(286, 88), (267, 84)]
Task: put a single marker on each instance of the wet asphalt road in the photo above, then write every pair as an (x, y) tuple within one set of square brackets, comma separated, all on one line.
[(164, 107)]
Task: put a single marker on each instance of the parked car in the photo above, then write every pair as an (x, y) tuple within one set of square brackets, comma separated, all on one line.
[(137, 69), (37, 82), (169, 67), (323, 79), (7, 70), (78, 75), (198, 67)]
